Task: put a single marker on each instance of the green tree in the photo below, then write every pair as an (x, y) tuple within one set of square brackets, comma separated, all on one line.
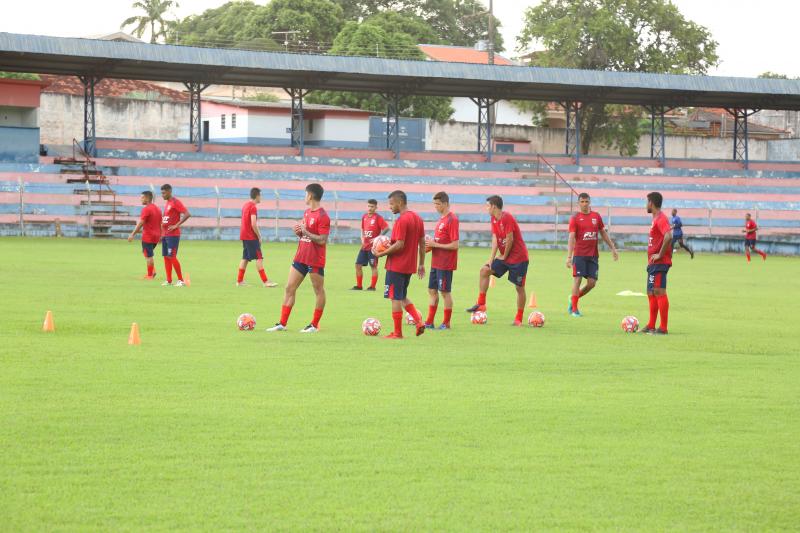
[(618, 35), (314, 23), (19, 76), (773, 75), (373, 38), (220, 27), (154, 12)]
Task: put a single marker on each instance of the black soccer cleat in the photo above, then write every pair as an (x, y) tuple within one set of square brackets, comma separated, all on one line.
[(356, 288), (647, 330), (658, 331), (476, 307)]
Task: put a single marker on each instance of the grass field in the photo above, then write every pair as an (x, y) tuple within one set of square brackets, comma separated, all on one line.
[(574, 426)]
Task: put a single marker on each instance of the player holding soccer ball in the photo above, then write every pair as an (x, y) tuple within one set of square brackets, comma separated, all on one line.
[(150, 224), (309, 259), (582, 253), (175, 215), (444, 260), (372, 225), (406, 255), (659, 261), (251, 239), (513, 257), (750, 228)]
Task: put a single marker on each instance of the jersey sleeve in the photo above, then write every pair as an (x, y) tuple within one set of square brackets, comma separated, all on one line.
[(572, 228), (179, 207), (663, 226), (453, 229), (400, 230), (324, 226), (382, 223), (600, 223), (144, 215)]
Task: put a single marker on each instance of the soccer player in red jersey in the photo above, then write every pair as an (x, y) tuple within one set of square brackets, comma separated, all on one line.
[(444, 260), (372, 225), (513, 257), (150, 224), (750, 228), (582, 254), (309, 259), (250, 235), (406, 255), (659, 260), (175, 215)]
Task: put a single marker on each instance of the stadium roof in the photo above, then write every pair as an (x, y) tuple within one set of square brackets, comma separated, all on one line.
[(125, 60)]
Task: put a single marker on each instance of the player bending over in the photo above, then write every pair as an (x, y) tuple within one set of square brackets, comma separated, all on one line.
[(406, 252), (659, 261), (444, 260), (250, 235), (509, 254), (175, 214), (750, 229), (308, 260), (582, 253), (372, 225), (150, 224), (677, 233)]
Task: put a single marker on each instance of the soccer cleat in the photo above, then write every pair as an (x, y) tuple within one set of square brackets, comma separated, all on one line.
[(658, 331), (241, 284), (270, 284), (180, 283), (576, 314), (476, 307), (393, 335), (420, 329), (647, 330), (444, 326), (371, 289), (309, 329), (429, 326), (516, 323), (167, 284), (356, 288), (691, 254), (148, 277), (277, 327)]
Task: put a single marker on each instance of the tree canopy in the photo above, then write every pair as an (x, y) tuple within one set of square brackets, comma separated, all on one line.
[(152, 18)]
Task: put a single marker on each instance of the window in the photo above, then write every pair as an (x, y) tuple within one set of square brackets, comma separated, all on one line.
[(233, 121), (310, 127), (222, 122), (504, 148)]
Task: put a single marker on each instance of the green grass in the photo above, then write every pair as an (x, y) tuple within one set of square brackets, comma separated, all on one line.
[(574, 426)]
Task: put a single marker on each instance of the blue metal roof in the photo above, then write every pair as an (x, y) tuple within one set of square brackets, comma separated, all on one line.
[(111, 59)]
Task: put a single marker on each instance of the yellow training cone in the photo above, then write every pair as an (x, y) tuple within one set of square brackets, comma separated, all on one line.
[(532, 301), (134, 338), (48, 325)]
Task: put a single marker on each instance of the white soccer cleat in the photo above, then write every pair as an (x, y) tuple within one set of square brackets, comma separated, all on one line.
[(241, 283), (166, 284), (309, 329), (277, 327), (270, 284), (180, 283)]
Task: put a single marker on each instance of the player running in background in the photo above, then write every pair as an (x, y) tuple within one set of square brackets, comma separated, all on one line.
[(150, 224), (513, 257), (444, 260), (406, 255), (175, 214), (372, 225), (309, 259), (659, 260), (250, 235), (750, 229), (677, 232), (582, 253)]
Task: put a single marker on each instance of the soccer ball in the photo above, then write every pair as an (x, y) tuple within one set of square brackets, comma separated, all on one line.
[(410, 319), (479, 317), (536, 319), (371, 327), (246, 322), (630, 324), (380, 243)]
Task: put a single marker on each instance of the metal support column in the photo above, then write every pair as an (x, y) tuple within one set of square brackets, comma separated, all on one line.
[(89, 125), (485, 120), (573, 140), (657, 135), (393, 123), (298, 138), (741, 150), (195, 113)]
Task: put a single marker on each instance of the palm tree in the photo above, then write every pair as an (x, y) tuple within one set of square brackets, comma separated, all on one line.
[(154, 16)]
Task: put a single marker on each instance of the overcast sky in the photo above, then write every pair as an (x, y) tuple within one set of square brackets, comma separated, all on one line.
[(753, 36)]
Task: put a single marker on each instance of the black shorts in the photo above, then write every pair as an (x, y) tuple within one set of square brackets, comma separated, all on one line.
[(584, 266), (749, 243), (148, 248), (251, 250), (308, 269), (516, 272), (366, 257), (657, 277), (169, 246), (396, 287), (441, 280)]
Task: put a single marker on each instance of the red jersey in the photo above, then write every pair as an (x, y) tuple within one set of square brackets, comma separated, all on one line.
[(750, 226), (246, 233), (309, 253), (172, 215), (587, 230), (408, 228), (446, 232), (151, 227), (658, 229), (371, 227), (500, 229)]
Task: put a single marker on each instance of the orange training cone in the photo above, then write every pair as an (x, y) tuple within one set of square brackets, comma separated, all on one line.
[(134, 338), (532, 301), (48, 325)]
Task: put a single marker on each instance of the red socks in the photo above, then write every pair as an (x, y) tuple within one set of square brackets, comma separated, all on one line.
[(575, 303), (447, 314), (286, 310), (374, 282), (397, 317), (177, 266), (240, 277), (411, 310), (747, 255), (518, 318), (431, 313), (151, 271), (482, 298), (263, 275), (168, 268), (359, 281), (653, 301), (317, 316), (663, 309)]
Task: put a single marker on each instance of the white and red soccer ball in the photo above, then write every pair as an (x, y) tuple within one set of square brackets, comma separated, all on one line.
[(630, 324), (371, 327), (246, 322), (536, 319), (380, 243), (479, 318)]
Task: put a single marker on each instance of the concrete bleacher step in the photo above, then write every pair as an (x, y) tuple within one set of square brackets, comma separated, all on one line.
[(97, 180)]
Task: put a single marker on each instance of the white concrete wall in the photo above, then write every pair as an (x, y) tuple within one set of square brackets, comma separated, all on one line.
[(333, 128), (215, 131), (24, 117), (269, 126), (506, 113)]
